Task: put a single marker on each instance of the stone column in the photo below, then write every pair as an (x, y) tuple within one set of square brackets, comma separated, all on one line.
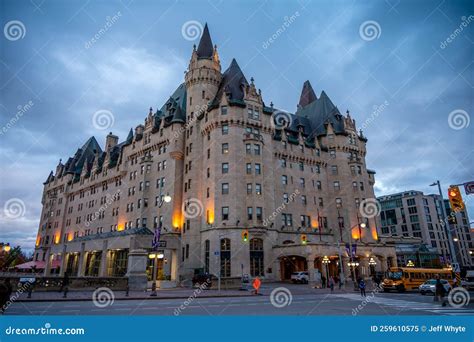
[(63, 261), (136, 270), (382, 263), (346, 268), (47, 266), (103, 260), (311, 270), (174, 265), (80, 266), (364, 267)]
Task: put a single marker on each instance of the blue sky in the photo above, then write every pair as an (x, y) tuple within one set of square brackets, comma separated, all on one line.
[(400, 80)]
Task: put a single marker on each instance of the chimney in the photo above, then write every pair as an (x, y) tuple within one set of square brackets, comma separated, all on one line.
[(110, 141)]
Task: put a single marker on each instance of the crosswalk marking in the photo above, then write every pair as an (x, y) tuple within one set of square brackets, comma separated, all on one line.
[(405, 304)]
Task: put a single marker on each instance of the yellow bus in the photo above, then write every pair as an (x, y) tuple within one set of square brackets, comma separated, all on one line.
[(410, 278)]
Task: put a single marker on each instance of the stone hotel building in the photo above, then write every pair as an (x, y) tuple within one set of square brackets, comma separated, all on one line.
[(232, 163)]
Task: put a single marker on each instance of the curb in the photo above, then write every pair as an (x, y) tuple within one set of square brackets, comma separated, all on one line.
[(125, 298)]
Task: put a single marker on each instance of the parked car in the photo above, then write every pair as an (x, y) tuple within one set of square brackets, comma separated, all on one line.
[(468, 281), (429, 286), (300, 277)]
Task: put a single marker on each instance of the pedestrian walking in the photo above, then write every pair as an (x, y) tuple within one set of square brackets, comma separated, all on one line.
[(323, 281), (5, 293), (440, 292), (362, 287), (65, 282), (331, 283)]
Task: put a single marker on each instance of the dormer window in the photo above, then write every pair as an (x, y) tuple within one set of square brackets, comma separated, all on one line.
[(224, 110)]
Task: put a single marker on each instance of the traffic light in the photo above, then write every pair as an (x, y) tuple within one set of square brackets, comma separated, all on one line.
[(455, 198), (304, 239), (245, 235)]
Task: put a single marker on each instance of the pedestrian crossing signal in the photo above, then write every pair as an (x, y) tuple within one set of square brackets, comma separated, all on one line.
[(245, 235), (304, 239), (455, 198)]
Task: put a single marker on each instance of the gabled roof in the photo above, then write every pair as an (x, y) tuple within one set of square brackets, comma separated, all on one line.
[(307, 95), (205, 47), (174, 110), (84, 154), (320, 112), (232, 84)]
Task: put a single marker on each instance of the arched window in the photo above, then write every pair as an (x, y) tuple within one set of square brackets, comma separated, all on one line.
[(225, 258), (256, 258)]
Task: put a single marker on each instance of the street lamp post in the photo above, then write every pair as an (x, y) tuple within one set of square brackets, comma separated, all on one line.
[(167, 199), (326, 262), (445, 223)]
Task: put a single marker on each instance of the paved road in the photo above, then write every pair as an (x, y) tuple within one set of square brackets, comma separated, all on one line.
[(295, 300)]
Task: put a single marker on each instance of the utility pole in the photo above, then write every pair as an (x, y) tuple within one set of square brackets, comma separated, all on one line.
[(449, 236)]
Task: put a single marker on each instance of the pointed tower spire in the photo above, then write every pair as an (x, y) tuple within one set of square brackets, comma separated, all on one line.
[(307, 95), (205, 48)]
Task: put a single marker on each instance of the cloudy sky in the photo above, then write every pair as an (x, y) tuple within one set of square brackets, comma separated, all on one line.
[(404, 69)]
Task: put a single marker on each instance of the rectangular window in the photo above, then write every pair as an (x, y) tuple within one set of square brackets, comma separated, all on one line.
[(225, 188), (258, 189), (257, 169), (337, 186), (249, 168), (225, 167), (225, 213), (258, 213), (225, 129), (225, 148), (249, 188), (223, 110), (248, 148), (249, 213), (284, 180), (256, 149)]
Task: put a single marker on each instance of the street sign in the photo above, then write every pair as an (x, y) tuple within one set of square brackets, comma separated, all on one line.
[(469, 188), (217, 253), (161, 244), (456, 267)]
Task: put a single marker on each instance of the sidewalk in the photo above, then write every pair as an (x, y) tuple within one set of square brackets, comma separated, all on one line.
[(178, 293)]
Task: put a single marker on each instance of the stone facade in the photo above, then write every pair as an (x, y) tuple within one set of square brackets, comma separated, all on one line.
[(296, 183)]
